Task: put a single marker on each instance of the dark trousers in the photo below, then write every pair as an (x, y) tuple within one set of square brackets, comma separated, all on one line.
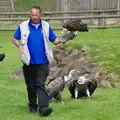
[(35, 78)]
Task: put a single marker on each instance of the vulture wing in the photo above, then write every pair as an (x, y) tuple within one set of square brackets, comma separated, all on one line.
[(54, 87)]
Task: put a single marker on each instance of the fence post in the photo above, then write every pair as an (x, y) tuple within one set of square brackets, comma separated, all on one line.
[(102, 21), (57, 5), (12, 5), (92, 8), (118, 8), (64, 6)]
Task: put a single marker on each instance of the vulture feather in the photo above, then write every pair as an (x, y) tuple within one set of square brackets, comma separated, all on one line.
[(55, 87)]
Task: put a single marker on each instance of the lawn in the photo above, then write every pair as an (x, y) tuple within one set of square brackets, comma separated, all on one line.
[(105, 104)]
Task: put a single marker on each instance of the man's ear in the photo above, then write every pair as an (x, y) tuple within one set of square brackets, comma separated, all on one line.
[(40, 17)]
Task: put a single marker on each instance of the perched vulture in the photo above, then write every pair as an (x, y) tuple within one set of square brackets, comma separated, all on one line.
[(82, 87), (75, 25), (2, 56), (54, 88)]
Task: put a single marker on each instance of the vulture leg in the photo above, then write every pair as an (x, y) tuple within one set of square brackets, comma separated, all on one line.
[(62, 101), (76, 93), (88, 94), (59, 97), (75, 32)]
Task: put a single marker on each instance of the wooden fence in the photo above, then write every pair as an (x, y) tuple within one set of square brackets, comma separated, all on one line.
[(100, 16)]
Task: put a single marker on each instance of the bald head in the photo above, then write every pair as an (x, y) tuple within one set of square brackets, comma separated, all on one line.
[(37, 8)]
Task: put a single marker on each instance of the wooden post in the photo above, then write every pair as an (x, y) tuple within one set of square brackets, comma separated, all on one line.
[(13, 10), (118, 7), (64, 7), (104, 20), (57, 5), (101, 21), (92, 8)]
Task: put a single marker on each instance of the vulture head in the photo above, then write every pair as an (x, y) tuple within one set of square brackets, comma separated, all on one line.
[(72, 76)]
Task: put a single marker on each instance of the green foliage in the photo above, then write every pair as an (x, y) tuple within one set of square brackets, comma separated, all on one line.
[(105, 103)]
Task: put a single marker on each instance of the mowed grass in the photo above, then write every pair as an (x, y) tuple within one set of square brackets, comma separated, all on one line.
[(104, 46), (104, 104)]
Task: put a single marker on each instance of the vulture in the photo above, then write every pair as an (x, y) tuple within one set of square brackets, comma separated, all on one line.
[(82, 87), (54, 88), (75, 25), (2, 56)]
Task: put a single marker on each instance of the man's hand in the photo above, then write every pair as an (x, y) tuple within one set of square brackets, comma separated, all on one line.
[(20, 48), (69, 36), (63, 39), (24, 58)]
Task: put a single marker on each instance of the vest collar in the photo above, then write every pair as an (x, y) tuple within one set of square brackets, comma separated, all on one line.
[(32, 26)]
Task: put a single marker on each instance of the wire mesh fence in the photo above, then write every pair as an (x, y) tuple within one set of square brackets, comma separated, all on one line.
[(63, 6)]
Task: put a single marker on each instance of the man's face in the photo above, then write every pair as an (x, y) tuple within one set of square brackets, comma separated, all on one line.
[(35, 16)]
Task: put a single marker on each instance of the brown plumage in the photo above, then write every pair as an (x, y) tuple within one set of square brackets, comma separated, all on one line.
[(75, 25)]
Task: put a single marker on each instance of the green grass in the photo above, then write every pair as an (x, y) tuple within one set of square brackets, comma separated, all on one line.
[(105, 103), (104, 45)]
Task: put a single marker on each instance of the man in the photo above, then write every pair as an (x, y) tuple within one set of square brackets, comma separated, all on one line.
[(36, 56)]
